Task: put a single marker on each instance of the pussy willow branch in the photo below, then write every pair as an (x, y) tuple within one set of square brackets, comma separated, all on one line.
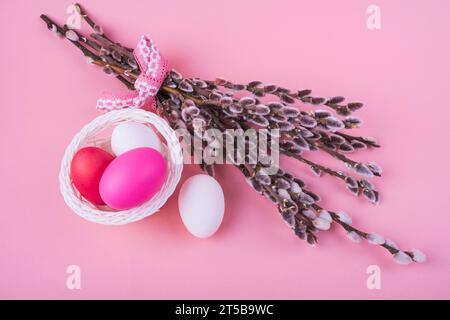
[(124, 74), (185, 101), (287, 96), (335, 217), (329, 171), (51, 25), (350, 163), (368, 141), (95, 27), (365, 235), (300, 217)]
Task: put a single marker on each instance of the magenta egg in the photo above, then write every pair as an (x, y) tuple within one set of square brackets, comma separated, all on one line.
[(133, 178)]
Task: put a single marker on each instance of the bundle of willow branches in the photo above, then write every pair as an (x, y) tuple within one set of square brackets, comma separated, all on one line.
[(189, 103)]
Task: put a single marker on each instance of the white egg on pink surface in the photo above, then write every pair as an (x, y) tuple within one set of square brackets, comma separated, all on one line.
[(201, 204), (132, 135)]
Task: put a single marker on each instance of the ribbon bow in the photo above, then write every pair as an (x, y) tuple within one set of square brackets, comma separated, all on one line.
[(154, 69)]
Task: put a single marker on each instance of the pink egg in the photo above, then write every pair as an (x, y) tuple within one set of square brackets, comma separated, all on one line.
[(133, 178)]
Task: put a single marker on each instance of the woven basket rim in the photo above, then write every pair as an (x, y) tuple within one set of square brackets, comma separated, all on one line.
[(96, 214)]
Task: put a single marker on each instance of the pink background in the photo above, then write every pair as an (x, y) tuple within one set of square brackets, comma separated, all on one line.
[(401, 72)]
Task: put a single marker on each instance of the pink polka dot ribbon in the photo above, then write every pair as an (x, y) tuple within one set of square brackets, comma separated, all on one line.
[(154, 69)]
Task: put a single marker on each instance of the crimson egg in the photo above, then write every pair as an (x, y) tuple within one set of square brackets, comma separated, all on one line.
[(86, 170)]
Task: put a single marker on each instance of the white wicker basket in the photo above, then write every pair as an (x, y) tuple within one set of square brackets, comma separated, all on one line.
[(89, 135)]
